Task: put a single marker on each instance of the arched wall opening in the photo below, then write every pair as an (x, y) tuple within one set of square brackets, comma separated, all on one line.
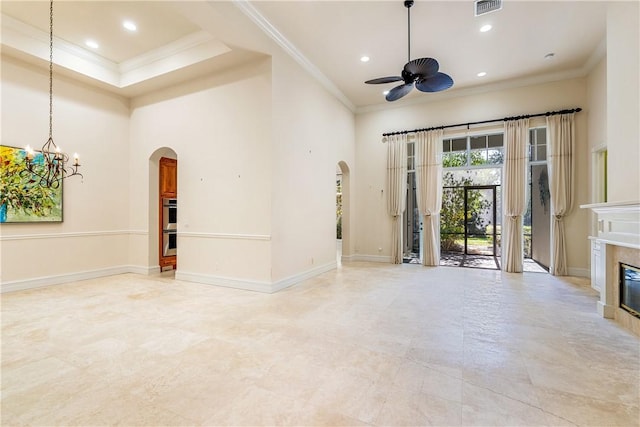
[(343, 211), (154, 203)]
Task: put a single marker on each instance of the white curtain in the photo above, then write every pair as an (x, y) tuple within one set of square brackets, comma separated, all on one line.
[(396, 190), (428, 164), (561, 141), (514, 178)]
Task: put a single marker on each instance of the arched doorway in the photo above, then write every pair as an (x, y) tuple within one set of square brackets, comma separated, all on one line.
[(161, 241), (343, 213)]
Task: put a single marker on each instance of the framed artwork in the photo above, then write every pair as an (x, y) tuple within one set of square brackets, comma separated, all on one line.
[(22, 198)]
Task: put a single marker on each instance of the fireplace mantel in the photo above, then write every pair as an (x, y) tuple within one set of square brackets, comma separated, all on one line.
[(618, 223), (617, 240)]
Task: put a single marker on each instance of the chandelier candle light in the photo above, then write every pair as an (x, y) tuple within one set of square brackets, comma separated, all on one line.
[(50, 171)]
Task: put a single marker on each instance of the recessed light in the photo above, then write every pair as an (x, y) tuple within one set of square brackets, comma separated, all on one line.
[(386, 92), (92, 44), (485, 28), (364, 58), (549, 55), (129, 25), (481, 74)]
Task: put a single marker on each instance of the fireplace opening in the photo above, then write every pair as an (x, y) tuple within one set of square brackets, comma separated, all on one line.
[(630, 289)]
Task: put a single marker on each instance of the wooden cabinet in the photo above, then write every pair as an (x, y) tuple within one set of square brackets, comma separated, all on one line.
[(168, 177)]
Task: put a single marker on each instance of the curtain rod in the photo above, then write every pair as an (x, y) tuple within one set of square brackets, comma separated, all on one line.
[(505, 119)]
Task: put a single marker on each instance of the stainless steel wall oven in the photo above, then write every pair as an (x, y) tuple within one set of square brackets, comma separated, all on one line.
[(169, 226)]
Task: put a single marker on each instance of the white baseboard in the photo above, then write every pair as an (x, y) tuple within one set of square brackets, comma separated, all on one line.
[(579, 272), (248, 285), (370, 258), (258, 286), (254, 285), (39, 282), (146, 271), (346, 258), (297, 278), (606, 311)]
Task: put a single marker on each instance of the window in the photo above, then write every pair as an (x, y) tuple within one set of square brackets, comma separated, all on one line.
[(478, 150), (454, 152), (538, 145), (411, 156)]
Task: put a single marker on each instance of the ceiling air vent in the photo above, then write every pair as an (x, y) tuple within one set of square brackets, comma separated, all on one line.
[(486, 6)]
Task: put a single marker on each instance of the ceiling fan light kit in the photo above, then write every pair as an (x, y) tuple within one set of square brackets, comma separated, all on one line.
[(422, 72)]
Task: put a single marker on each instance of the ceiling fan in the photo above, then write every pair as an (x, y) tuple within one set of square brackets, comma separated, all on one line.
[(421, 72)]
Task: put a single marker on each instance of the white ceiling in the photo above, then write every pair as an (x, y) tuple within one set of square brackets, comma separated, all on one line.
[(179, 40), (77, 21)]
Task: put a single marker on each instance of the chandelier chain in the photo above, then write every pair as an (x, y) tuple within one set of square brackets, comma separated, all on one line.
[(51, 69), (52, 165)]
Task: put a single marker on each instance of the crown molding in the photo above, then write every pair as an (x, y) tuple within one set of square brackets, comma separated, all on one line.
[(182, 53), (13, 30), (187, 51), (270, 30), (477, 90), (34, 42), (174, 48)]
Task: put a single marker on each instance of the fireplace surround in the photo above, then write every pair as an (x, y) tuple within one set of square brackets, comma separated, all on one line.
[(616, 243)]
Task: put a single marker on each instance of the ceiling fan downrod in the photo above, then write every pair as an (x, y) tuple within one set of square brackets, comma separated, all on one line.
[(408, 4)]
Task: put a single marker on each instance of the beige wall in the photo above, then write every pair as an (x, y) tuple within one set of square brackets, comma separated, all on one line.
[(94, 235), (597, 130), (312, 132), (286, 196), (256, 174), (623, 93), (597, 105), (374, 225), (257, 151), (219, 127)]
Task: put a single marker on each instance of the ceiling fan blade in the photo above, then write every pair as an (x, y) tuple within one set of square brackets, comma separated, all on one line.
[(426, 67), (437, 83), (384, 80), (399, 91)]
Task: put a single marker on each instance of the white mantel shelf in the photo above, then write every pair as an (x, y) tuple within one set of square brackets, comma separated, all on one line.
[(615, 242), (618, 223), (628, 206)]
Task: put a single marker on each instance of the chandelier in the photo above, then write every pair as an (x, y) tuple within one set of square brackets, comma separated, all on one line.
[(50, 168)]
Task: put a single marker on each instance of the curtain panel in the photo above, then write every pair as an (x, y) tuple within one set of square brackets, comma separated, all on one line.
[(514, 178), (561, 139), (428, 165), (396, 190)]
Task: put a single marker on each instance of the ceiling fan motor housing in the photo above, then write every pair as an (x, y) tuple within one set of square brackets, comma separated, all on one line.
[(408, 77)]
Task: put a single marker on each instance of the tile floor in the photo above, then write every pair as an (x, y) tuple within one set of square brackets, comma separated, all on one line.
[(483, 261), (367, 344)]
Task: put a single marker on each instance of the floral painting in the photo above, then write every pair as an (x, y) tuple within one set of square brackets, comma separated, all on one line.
[(22, 198)]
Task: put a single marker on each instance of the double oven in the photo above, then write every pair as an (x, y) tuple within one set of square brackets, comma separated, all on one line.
[(169, 226)]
